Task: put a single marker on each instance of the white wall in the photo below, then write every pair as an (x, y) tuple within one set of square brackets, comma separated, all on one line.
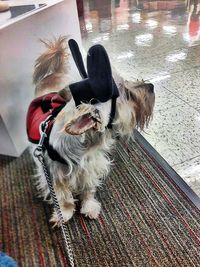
[(19, 47)]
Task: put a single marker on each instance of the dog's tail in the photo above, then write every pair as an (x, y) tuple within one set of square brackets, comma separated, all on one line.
[(53, 60)]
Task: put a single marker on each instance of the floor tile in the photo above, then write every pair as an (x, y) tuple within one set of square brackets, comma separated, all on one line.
[(190, 172), (164, 98), (185, 85), (174, 133)]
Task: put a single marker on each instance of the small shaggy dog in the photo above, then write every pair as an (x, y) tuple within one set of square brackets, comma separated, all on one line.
[(80, 134)]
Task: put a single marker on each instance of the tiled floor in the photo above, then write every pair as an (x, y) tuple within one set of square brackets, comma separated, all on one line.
[(157, 41)]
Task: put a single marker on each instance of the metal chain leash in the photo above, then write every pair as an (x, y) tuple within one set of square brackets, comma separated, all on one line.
[(39, 154)]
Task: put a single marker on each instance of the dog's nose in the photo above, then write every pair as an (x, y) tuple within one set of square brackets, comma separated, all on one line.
[(150, 87), (95, 115)]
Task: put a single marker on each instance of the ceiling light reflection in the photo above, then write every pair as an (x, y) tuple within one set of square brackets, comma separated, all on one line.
[(144, 39), (169, 29), (122, 27), (125, 55), (136, 18), (96, 40), (104, 37), (181, 55), (151, 23), (160, 77), (88, 26)]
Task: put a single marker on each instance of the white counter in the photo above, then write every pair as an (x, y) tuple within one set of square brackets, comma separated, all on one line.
[(19, 47)]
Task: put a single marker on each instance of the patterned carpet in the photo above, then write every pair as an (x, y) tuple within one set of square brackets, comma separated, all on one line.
[(146, 220)]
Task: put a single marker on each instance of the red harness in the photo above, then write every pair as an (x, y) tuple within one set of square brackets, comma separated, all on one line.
[(39, 110)]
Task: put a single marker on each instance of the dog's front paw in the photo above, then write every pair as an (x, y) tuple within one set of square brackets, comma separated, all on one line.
[(91, 208), (67, 214)]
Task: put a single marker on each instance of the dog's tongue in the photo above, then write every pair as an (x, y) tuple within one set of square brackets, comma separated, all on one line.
[(80, 125)]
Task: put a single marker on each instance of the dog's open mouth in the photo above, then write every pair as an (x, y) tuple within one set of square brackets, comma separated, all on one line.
[(83, 122)]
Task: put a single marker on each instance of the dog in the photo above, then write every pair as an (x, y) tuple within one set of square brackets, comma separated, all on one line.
[(80, 134)]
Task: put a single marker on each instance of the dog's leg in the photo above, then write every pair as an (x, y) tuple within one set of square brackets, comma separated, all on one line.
[(66, 203), (90, 207)]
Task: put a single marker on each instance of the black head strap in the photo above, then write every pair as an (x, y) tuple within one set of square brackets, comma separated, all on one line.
[(112, 112)]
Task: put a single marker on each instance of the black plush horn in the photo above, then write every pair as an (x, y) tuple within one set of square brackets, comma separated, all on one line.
[(74, 48), (99, 86), (100, 74)]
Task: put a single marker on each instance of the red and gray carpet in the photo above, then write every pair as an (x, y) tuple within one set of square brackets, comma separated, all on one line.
[(146, 221)]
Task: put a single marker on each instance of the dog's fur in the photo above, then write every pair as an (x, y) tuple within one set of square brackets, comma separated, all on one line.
[(87, 151)]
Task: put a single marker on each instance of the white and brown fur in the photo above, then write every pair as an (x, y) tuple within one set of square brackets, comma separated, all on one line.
[(87, 153)]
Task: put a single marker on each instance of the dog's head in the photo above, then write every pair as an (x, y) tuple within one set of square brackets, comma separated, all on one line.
[(96, 95), (134, 109)]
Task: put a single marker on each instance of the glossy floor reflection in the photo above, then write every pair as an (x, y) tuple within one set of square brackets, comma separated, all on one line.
[(157, 41)]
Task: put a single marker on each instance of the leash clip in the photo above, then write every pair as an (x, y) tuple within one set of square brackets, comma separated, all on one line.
[(43, 128), (42, 138)]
